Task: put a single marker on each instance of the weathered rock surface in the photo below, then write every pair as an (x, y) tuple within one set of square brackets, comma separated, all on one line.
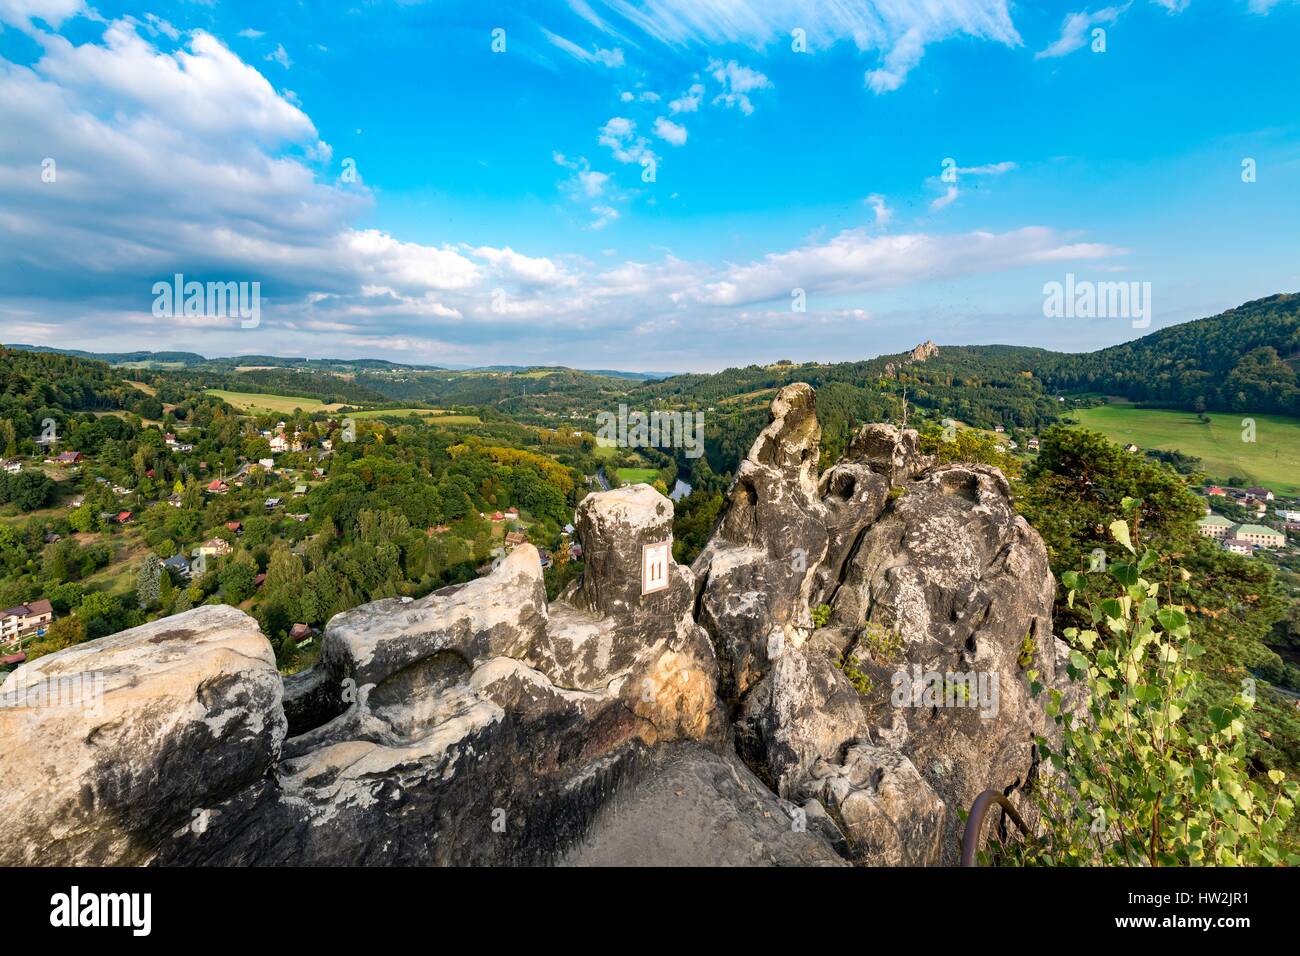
[(708, 720), (691, 806), (108, 747), (756, 574), (891, 815), (930, 580)]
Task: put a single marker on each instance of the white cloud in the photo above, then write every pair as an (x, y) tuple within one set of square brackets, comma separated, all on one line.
[(530, 270), (250, 34), (688, 102), (604, 216), (19, 13), (880, 208), (1076, 31), (611, 58), (737, 83), (279, 55), (623, 141), (855, 261), (947, 199), (669, 131), (897, 30), (585, 181), (158, 25), (989, 169)]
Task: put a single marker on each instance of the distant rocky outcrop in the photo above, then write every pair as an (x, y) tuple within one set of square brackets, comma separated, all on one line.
[(837, 675), (926, 350)]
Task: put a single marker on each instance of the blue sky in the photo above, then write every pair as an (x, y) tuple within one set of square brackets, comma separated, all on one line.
[(503, 211)]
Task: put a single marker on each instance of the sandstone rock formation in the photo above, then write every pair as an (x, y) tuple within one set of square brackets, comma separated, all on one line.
[(108, 747), (837, 675), (926, 350)]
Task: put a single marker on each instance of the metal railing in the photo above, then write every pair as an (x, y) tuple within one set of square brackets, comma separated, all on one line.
[(975, 823)]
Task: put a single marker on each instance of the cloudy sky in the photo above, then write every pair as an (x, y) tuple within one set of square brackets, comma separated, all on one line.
[(638, 184)]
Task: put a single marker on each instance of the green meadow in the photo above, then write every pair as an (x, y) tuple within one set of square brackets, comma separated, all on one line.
[(637, 475), (257, 401), (1271, 460)]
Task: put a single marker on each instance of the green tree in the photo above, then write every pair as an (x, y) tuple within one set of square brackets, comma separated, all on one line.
[(1134, 782), (148, 582)]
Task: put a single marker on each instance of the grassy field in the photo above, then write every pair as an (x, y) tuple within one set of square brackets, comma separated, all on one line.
[(1272, 460), (637, 475), (433, 415), (255, 401)]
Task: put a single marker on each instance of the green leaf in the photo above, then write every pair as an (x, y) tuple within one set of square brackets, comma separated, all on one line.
[(1119, 530), (1171, 618)]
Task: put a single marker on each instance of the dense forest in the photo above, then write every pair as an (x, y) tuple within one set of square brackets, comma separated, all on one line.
[(1243, 360)]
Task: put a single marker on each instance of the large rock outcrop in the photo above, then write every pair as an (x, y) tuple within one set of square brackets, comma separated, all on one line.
[(838, 674), (756, 574), (107, 747)]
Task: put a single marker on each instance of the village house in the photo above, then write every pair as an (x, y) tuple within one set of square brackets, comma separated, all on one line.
[(1287, 515), (12, 467), (175, 501), (235, 526), (1131, 448), (178, 563), (301, 634), (514, 539), (18, 622), (124, 517), (1237, 546), (1033, 444), (1216, 491), (214, 548), (69, 458), (1258, 535), (1256, 505), (279, 444), (1258, 492), (273, 503), (218, 487)]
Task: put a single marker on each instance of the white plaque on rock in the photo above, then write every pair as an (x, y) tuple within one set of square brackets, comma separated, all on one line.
[(654, 566)]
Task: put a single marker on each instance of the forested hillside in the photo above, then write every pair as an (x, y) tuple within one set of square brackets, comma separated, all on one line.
[(1243, 360)]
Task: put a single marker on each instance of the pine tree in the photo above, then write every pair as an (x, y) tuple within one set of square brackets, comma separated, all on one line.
[(148, 582)]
